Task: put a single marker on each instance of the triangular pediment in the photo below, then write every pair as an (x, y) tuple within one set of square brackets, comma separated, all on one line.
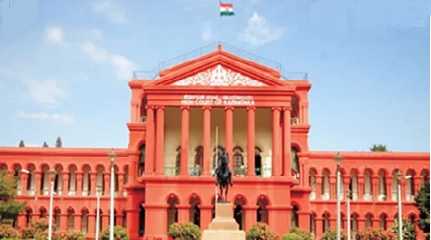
[(219, 69), (219, 76)]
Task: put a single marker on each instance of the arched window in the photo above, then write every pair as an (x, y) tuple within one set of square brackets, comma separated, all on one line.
[(258, 166), (141, 220), (395, 182), (72, 180), (84, 221), (262, 209), (70, 219), (238, 212), (410, 185), (100, 218), (58, 180), (212, 208), (116, 179), (353, 185), (424, 176), (368, 186), (42, 213), (30, 180), (354, 224), (124, 219), (383, 221), (86, 181), (294, 219), (100, 179), (412, 219), (44, 186), (294, 162), (382, 185), (369, 221), (195, 211), (17, 175), (238, 161), (312, 182), (313, 225), (341, 185), (294, 113), (198, 161), (326, 226), (28, 216), (141, 162), (126, 175), (326, 187), (172, 209), (56, 219)]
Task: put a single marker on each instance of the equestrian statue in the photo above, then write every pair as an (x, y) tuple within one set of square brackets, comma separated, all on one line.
[(223, 176)]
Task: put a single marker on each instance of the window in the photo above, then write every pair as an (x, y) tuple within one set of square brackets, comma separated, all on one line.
[(258, 161), (86, 181), (325, 223), (72, 180), (382, 185), (84, 221), (369, 221), (410, 185), (70, 219), (326, 188), (238, 161), (368, 186), (100, 179), (238, 213), (383, 222), (353, 185), (312, 181), (294, 220), (195, 212), (395, 183), (172, 209), (141, 220), (141, 162), (294, 162), (313, 223), (198, 161)]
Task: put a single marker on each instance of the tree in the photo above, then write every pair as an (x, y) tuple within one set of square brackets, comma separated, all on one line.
[(9, 208), (423, 204), (260, 231), (375, 234), (332, 235), (409, 232), (58, 142), (119, 234), (21, 144), (45, 145), (37, 231), (184, 231), (297, 234), (378, 148)]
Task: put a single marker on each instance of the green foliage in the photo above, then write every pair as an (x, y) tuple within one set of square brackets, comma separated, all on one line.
[(184, 231), (9, 208), (378, 148), (409, 232), (119, 234), (332, 235), (8, 232), (37, 231), (297, 234), (68, 236), (375, 234), (423, 204), (260, 231)]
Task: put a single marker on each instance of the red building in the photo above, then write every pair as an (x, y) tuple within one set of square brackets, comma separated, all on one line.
[(165, 173)]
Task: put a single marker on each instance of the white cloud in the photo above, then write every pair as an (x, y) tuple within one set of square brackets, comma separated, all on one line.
[(54, 35), (207, 33), (122, 66), (111, 10), (47, 92), (62, 118), (259, 31)]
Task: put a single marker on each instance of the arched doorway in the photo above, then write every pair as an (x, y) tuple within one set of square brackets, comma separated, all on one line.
[(141, 220), (262, 209), (195, 211), (172, 209), (238, 211)]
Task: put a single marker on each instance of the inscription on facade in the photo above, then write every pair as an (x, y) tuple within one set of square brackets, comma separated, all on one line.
[(217, 100)]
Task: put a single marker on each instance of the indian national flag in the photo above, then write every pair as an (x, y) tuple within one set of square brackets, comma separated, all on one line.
[(226, 9)]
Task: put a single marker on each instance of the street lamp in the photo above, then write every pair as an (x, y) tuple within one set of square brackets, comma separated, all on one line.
[(98, 193), (51, 202), (112, 157), (399, 200), (338, 159)]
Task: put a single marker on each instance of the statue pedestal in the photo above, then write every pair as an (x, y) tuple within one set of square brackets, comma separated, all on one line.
[(223, 226)]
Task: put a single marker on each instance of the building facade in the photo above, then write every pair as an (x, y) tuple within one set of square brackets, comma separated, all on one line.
[(165, 175)]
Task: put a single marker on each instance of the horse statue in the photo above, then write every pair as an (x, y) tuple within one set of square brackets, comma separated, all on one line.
[(223, 176)]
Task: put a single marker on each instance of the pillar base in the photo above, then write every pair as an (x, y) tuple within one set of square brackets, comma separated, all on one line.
[(223, 225)]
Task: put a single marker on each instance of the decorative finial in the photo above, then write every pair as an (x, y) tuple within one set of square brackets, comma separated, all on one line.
[(219, 46)]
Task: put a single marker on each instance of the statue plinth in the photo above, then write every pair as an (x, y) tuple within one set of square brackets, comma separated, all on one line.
[(223, 226)]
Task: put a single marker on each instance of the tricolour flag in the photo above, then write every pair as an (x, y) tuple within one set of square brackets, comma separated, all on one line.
[(226, 9)]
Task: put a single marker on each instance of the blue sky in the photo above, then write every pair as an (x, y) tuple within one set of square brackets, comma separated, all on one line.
[(64, 65)]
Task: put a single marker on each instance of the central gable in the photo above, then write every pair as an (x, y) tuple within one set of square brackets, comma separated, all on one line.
[(218, 76)]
